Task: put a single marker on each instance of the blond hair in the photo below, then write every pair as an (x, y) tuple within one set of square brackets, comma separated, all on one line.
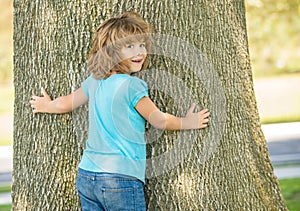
[(113, 34)]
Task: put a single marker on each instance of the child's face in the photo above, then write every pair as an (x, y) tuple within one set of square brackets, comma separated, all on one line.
[(135, 53)]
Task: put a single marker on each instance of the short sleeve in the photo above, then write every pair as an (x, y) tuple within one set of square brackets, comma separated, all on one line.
[(86, 85), (137, 90)]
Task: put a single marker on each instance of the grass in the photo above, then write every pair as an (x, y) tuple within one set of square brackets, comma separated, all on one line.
[(280, 119), (277, 60), (5, 142), (290, 189), (5, 189), (279, 97), (5, 207)]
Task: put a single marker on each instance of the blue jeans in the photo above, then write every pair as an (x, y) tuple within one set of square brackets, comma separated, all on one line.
[(106, 191)]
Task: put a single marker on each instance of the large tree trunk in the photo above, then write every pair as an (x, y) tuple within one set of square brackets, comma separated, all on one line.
[(202, 57)]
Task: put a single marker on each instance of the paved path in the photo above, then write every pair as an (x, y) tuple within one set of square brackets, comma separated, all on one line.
[(283, 142), (278, 96), (5, 198)]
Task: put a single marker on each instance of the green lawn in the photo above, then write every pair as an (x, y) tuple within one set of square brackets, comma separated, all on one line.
[(5, 189), (6, 207), (278, 101), (290, 189)]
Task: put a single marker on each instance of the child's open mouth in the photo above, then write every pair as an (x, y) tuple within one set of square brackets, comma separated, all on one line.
[(137, 61)]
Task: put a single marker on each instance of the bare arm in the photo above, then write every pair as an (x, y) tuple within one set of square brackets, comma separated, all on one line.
[(59, 105), (166, 121)]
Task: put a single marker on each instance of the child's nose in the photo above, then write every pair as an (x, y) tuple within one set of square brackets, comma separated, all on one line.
[(141, 50)]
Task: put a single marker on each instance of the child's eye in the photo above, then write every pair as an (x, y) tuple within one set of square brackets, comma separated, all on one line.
[(143, 45), (130, 46)]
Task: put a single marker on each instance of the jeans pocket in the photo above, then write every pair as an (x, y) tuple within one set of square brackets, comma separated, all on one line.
[(119, 199)]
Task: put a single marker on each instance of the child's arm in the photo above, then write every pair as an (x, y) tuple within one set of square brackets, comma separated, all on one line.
[(169, 122), (59, 105)]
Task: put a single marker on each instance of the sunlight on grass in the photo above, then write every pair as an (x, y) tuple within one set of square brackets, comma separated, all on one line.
[(6, 142)]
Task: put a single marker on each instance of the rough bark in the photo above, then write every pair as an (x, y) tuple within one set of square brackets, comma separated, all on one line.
[(224, 167)]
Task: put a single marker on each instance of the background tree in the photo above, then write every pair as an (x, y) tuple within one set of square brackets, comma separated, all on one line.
[(51, 42)]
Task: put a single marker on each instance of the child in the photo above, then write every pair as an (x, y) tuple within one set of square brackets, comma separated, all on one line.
[(112, 169)]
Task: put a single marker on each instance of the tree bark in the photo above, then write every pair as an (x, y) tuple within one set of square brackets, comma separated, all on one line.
[(224, 167)]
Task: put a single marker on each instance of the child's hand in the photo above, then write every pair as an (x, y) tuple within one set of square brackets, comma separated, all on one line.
[(195, 120), (40, 104)]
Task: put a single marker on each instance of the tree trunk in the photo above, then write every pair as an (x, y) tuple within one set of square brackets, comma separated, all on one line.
[(200, 54)]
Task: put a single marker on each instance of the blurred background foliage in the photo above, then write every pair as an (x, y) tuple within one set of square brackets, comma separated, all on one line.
[(274, 42), (273, 30), (6, 41), (274, 36)]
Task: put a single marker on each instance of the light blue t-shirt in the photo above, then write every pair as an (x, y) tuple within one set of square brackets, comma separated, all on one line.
[(116, 130)]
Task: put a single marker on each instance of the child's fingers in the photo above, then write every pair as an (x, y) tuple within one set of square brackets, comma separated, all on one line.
[(205, 120), (203, 126), (205, 115), (44, 93), (35, 106), (204, 111), (34, 98), (192, 108), (32, 102)]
